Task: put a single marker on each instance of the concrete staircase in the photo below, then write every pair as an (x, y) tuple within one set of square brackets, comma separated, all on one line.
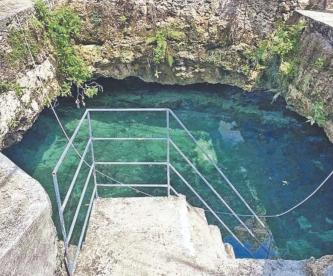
[(151, 236)]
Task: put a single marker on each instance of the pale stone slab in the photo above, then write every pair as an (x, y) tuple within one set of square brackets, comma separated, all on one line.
[(149, 236), (166, 236), (9, 8), (27, 233), (323, 17)]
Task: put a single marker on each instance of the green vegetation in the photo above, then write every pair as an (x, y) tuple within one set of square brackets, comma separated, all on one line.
[(62, 26), (318, 114), (277, 54), (52, 31), (320, 63), (161, 39), (91, 91), (122, 18), (18, 40), (6, 86)]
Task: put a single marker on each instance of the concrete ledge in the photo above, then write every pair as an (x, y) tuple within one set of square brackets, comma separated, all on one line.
[(321, 16), (27, 233), (319, 21), (9, 8)]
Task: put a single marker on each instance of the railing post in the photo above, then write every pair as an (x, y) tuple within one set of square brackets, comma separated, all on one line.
[(168, 149), (61, 214), (92, 152)]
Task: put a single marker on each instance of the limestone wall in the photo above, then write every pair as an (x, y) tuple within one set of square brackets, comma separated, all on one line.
[(313, 84), (19, 112), (37, 78), (213, 44), (214, 39), (27, 233)]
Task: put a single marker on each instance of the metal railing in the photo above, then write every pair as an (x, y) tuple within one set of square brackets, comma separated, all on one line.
[(67, 228)]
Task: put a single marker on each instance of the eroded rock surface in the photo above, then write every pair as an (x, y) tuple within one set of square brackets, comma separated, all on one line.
[(313, 84), (207, 40), (19, 111)]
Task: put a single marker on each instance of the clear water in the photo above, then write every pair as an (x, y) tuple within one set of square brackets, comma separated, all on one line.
[(272, 156)]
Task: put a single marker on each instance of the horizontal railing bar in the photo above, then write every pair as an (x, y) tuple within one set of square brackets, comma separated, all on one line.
[(209, 208), (133, 185), (212, 188), (79, 205), (130, 139), (75, 176), (73, 266), (70, 142), (131, 163), (217, 168), (126, 109)]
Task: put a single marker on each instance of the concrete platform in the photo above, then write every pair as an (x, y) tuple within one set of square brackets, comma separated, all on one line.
[(11, 7), (165, 236), (150, 236)]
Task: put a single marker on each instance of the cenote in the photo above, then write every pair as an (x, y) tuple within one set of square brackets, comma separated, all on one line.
[(273, 157)]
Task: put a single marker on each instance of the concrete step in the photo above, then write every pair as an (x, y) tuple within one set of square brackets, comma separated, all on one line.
[(222, 251), (164, 236), (219, 246), (200, 212), (149, 236), (206, 239)]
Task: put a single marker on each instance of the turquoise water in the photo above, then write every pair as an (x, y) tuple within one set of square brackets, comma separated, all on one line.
[(272, 156)]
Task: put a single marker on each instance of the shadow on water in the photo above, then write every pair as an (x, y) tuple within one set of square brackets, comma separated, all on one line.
[(271, 155)]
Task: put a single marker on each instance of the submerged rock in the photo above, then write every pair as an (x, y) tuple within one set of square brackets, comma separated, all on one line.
[(304, 223), (229, 134)]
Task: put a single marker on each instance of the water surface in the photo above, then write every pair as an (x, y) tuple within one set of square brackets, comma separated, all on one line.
[(271, 155)]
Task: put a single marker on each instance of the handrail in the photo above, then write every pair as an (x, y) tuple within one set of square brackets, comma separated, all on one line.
[(170, 143), (78, 207), (211, 187), (210, 209), (71, 186), (130, 163), (83, 231), (217, 168), (129, 139), (126, 109), (70, 142)]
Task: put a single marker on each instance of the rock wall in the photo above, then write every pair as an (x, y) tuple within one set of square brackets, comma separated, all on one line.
[(19, 109), (28, 239), (19, 112), (207, 40), (313, 84)]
